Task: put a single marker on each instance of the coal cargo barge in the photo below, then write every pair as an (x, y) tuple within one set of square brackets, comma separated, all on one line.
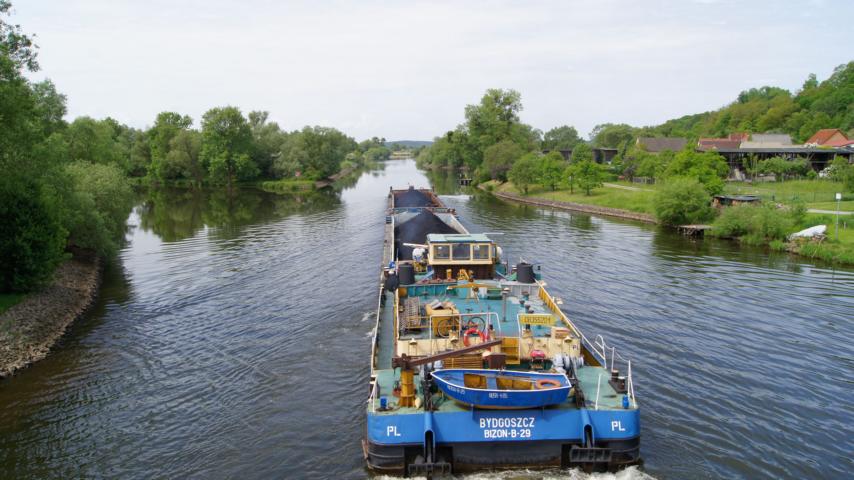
[(474, 364)]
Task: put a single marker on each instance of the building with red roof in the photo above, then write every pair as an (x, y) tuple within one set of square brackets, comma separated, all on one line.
[(829, 137)]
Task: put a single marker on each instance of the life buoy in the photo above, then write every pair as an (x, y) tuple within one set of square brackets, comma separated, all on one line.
[(546, 383), (470, 331)]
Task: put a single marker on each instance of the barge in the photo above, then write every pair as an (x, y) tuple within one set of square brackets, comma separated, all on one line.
[(474, 365)]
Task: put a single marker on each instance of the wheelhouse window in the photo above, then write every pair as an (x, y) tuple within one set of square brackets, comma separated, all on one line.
[(462, 251), (441, 252), (480, 252)]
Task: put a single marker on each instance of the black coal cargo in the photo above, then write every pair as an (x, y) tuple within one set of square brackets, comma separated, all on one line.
[(412, 198), (416, 230)]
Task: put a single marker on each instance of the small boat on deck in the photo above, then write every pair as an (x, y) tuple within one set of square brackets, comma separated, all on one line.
[(503, 389)]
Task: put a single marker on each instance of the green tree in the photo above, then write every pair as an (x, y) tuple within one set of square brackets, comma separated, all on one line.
[(183, 160), (267, 140), (50, 107), (552, 166), (582, 153), (681, 201), (780, 167), (376, 154), (31, 237), (319, 151), (709, 168), (561, 138), (226, 144), (498, 158), (525, 172), (140, 156), (97, 206), (92, 141), (166, 127), (610, 135), (569, 180), (587, 174)]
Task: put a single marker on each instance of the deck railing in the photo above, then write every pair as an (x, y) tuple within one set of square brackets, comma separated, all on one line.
[(598, 347), (630, 387)]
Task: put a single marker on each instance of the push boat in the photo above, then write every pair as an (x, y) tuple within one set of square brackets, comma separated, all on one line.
[(475, 366)]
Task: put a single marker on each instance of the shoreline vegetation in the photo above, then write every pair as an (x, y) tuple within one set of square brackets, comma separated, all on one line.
[(767, 226), (67, 185), (32, 327), (685, 183)]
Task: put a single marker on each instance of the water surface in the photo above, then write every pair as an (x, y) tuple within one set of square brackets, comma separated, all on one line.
[(231, 340)]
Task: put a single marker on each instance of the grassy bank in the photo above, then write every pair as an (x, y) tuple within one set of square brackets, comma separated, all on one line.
[(810, 191), (846, 206), (639, 198), (287, 185), (831, 249), (8, 300), (632, 200)]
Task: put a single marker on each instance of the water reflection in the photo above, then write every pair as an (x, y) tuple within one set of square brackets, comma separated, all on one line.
[(175, 214), (231, 340)]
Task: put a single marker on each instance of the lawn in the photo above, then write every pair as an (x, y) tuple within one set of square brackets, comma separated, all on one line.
[(635, 201), (831, 249), (287, 185), (7, 300), (846, 206), (810, 191)]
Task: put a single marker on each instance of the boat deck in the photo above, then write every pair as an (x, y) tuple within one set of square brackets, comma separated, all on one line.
[(489, 309), (588, 376)]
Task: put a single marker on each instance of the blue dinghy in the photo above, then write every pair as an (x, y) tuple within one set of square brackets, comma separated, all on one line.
[(503, 389)]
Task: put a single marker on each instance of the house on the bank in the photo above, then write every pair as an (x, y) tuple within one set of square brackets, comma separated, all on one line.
[(829, 137), (762, 146), (660, 144), (733, 140), (767, 140)]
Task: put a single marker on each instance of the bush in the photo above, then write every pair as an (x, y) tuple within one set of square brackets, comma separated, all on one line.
[(97, 206), (756, 225), (682, 201), (32, 239)]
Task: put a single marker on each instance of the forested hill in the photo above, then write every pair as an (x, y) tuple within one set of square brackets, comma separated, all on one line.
[(817, 105)]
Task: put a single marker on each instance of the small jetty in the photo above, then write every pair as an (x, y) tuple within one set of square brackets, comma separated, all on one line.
[(697, 230)]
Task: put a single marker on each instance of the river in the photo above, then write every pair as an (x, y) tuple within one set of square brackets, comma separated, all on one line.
[(232, 336)]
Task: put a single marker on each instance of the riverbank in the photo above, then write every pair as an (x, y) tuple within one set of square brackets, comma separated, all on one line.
[(830, 250), (573, 206), (30, 328)]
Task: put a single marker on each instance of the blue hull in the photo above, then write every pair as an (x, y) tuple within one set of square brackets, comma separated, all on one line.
[(451, 382), (507, 426), (478, 439)]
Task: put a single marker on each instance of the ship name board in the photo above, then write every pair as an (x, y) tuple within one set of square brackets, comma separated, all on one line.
[(507, 427), (536, 319)]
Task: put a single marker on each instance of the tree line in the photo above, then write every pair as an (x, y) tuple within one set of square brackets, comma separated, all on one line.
[(492, 137), (66, 186), (817, 105), (62, 187)]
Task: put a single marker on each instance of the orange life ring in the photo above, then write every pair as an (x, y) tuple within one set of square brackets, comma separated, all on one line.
[(546, 383), (471, 331)]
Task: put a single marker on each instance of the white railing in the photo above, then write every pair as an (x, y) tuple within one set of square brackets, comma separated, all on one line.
[(373, 398), (630, 387)]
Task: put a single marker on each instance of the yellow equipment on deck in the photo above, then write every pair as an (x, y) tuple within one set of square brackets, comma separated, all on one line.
[(445, 318)]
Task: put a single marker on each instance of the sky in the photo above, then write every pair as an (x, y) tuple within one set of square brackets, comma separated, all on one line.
[(406, 70)]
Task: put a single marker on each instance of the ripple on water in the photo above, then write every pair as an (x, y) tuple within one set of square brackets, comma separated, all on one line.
[(240, 348)]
